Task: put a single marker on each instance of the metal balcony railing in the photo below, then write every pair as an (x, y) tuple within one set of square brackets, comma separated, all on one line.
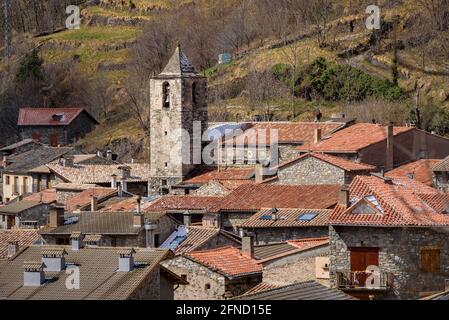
[(364, 280)]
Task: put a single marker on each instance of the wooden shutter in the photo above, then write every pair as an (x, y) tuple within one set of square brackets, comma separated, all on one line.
[(430, 259)]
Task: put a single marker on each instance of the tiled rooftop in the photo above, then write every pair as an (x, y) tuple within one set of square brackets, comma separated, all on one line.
[(353, 138), (175, 203), (288, 218), (99, 279), (203, 177), (49, 116), (46, 196), (197, 236), (228, 261), (25, 237), (254, 197), (420, 170), (83, 199), (397, 202), (442, 165)]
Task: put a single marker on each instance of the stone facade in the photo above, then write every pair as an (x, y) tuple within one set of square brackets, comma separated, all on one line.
[(64, 135), (311, 170), (274, 235), (205, 284), (211, 188), (177, 128), (295, 268), (399, 253), (39, 214)]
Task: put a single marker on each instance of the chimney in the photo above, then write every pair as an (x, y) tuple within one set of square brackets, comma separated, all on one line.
[(76, 239), (138, 220), (317, 135), (109, 154), (13, 248), (389, 161), (187, 219), (92, 240), (126, 260), (93, 203), (274, 214), (259, 171), (114, 181), (139, 203), (344, 197), (56, 216), (150, 226), (248, 246), (33, 275), (53, 258), (99, 153), (68, 161)]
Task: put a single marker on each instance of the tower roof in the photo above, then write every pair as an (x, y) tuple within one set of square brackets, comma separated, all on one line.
[(178, 64)]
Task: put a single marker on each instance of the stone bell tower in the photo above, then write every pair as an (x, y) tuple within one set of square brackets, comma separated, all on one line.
[(178, 118)]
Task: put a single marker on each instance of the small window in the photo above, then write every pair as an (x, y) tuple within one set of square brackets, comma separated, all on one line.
[(166, 95), (194, 93), (207, 286), (163, 182), (430, 259), (307, 216), (7, 180), (166, 164), (165, 133)]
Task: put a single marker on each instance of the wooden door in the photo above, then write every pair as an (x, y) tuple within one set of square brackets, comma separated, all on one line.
[(361, 259), (53, 139)]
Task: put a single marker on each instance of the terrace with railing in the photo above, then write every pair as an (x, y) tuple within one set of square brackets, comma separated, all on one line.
[(364, 280)]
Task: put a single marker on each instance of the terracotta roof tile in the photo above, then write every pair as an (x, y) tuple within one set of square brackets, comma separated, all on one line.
[(398, 202), (353, 138), (253, 197), (223, 174), (174, 203), (46, 196), (309, 243), (25, 237), (336, 161), (288, 132), (420, 170), (261, 287), (442, 165), (83, 199), (287, 218), (49, 116), (228, 261)]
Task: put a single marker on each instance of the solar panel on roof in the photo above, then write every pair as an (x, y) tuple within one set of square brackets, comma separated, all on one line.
[(266, 217), (307, 216)]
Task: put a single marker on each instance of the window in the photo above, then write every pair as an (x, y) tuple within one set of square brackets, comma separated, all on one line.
[(25, 185), (430, 259), (156, 241), (194, 93), (16, 185), (166, 95), (307, 216), (207, 286), (7, 181)]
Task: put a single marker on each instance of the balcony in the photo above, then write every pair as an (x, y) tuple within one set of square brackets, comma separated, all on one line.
[(364, 281)]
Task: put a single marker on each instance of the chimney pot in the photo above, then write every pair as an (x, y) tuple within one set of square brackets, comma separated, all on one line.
[(109, 154), (317, 135), (344, 197), (126, 260), (13, 248), (248, 246)]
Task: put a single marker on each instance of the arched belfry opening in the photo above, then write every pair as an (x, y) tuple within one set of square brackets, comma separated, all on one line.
[(166, 94)]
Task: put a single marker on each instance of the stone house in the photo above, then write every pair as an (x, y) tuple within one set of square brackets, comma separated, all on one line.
[(317, 168), (216, 274), (11, 240), (113, 229), (278, 225), (419, 170), (249, 199), (24, 214), (41, 273), (294, 261), (26, 172), (441, 174), (382, 146), (252, 142), (55, 126), (389, 241)]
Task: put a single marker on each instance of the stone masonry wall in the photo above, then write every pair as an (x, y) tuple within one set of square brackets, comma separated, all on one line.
[(310, 171), (273, 235), (399, 254)]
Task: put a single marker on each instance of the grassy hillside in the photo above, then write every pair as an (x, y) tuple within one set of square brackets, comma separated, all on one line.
[(103, 48)]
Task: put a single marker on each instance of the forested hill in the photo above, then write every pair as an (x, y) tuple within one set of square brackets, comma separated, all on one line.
[(289, 59)]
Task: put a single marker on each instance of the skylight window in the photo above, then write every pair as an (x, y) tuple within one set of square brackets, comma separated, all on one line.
[(266, 217), (373, 200), (307, 216)]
